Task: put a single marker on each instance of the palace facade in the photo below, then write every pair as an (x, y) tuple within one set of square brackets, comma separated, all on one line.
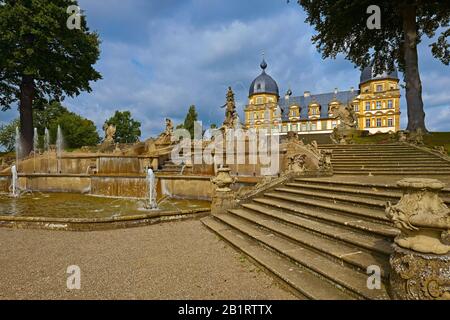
[(376, 104)]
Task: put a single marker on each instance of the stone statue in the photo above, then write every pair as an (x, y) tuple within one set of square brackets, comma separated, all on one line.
[(165, 138), (416, 137), (110, 132), (297, 163), (348, 120), (231, 116)]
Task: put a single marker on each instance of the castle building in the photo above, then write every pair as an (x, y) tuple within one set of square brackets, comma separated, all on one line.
[(376, 105)]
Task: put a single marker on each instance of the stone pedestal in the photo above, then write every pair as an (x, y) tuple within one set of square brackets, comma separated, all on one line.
[(222, 201), (419, 276)]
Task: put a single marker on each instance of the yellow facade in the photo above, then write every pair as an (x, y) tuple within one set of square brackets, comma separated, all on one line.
[(378, 106)]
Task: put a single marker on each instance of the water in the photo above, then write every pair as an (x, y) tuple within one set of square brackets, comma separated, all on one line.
[(152, 204), (47, 147), (71, 205), (59, 147), (14, 189), (35, 148), (17, 146)]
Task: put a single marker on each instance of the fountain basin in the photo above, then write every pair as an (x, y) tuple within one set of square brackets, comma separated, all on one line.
[(77, 212)]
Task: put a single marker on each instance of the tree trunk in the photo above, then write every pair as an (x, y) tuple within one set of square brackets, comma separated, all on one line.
[(26, 114), (416, 115)]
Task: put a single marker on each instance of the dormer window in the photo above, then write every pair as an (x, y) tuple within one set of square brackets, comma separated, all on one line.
[(259, 100), (379, 88)]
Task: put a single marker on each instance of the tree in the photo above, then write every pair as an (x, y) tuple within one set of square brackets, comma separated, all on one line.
[(128, 130), (8, 135), (342, 28), (45, 116), (77, 131), (41, 59), (189, 121)]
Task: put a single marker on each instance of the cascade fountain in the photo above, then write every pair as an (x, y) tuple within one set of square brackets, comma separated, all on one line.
[(14, 188), (47, 147), (35, 148), (152, 204), (59, 148)]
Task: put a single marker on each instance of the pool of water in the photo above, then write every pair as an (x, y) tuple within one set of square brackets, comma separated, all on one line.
[(69, 205)]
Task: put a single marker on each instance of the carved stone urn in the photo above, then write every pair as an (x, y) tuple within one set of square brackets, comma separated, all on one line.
[(223, 198), (420, 263), (223, 180)]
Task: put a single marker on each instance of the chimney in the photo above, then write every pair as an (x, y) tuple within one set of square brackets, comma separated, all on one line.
[(307, 94), (335, 90), (352, 89)]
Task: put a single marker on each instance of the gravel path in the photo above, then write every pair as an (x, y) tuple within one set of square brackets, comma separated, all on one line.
[(180, 260)]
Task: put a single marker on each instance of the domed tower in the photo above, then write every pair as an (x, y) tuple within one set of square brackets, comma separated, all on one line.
[(379, 101), (263, 99)]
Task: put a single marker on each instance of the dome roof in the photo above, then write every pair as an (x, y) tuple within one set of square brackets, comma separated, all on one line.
[(263, 83), (368, 74)]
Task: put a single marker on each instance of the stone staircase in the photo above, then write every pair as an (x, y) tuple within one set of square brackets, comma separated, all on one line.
[(316, 236), (171, 168), (388, 159)]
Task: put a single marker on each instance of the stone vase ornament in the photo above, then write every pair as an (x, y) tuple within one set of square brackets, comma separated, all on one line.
[(420, 263), (223, 180), (224, 198)]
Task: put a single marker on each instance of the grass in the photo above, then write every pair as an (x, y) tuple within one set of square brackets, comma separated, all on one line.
[(432, 139)]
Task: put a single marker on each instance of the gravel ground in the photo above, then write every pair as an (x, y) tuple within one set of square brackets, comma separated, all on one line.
[(180, 260)]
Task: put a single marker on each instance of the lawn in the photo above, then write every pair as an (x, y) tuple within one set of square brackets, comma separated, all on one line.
[(432, 139)]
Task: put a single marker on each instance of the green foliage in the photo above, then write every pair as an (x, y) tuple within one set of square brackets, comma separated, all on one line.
[(36, 42), (341, 27), (189, 121), (77, 131), (128, 130), (46, 115), (8, 135)]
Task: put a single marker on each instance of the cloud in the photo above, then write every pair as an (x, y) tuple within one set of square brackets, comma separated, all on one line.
[(159, 57)]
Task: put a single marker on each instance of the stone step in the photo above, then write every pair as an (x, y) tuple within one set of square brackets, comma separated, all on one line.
[(403, 161), (381, 191), (390, 167), (270, 207), (331, 271), (360, 200), (380, 156), (384, 195), (390, 164), (387, 172), (358, 212), (300, 280), (354, 256)]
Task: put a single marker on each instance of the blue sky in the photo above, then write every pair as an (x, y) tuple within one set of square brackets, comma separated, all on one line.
[(159, 57)]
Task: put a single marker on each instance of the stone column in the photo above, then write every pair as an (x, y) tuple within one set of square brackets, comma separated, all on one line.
[(420, 263), (223, 198)]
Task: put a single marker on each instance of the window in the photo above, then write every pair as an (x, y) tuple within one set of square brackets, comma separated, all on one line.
[(258, 86), (294, 127), (333, 124), (390, 104), (379, 88), (314, 126), (356, 108), (367, 123), (378, 105), (259, 100), (378, 122), (303, 127), (251, 117), (390, 122), (367, 106), (267, 114), (256, 116)]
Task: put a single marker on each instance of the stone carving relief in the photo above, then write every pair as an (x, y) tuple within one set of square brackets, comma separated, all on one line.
[(422, 217)]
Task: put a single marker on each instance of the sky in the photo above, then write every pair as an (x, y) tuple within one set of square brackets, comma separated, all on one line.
[(160, 57)]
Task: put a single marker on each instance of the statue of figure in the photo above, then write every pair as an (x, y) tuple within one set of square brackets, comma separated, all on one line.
[(110, 132), (231, 115), (348, 121), (165, 138), (169, 127)]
